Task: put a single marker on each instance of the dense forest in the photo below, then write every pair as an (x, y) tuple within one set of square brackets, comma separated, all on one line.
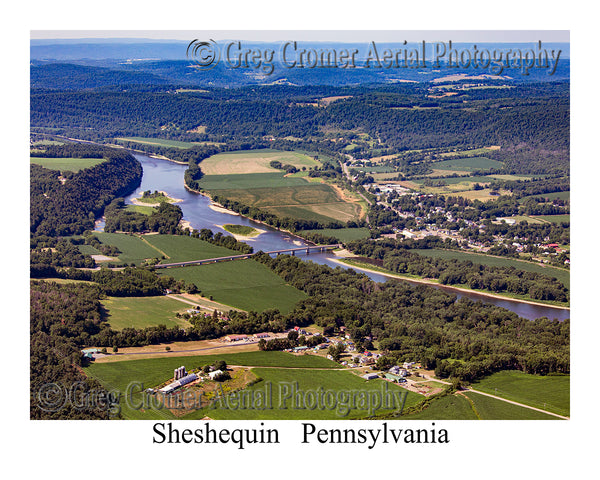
[(393, 257), (70, 206), (532, 129)]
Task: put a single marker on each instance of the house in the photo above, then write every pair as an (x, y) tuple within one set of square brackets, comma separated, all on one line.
[(235, 338), (213, 374)]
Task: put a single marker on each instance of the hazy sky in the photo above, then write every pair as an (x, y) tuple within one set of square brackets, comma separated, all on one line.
[(317, 35)]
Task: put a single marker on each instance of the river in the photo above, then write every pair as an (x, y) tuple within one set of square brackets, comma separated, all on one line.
[(168, 177)]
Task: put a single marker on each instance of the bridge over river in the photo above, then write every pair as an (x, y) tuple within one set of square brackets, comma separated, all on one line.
[(289, 251)]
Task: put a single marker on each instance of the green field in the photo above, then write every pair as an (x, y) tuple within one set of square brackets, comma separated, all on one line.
[(308, 380), (181, 248), (89, 250), (458, 181), (141, 209), (133, 248), (343, 234), (492, 409), (160, 142), (66, 164), (550, 196), (468, 164), (244, 230), (154, 371), (546, 392), (554, 218), (311, 372), (141, 312), (244, 284), (305, 194), (449, 407), (249, 180), (560, 274)]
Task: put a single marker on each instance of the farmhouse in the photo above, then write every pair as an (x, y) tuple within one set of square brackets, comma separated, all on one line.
[(214, 373)]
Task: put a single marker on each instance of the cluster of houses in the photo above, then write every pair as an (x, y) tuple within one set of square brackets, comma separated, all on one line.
[(396, 373), (246, 338)]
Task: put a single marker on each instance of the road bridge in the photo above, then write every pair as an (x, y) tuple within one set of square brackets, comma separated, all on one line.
[(289, 251)]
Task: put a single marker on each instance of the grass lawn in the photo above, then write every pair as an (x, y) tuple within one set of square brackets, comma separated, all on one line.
[(244, 284), (254, 161), (550, 393), (66, 164), (492, 409), (180, 248), (343, 234), (133, 248), (141, 312), (560, 274)]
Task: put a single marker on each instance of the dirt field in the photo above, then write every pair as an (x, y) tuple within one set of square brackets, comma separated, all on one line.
[(253, 162)]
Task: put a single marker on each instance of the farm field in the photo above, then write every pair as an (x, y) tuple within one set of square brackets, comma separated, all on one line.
[(550, 196), (466, 181), (468, 164), (546, 392), (66, 164), (343, 234), (306, 194), (141, 312), (307, 380), (553, 218), (562, 275), (254, 161), (159, 141), (133, 248), (308, 201), (492, 409), (180, 248), (244, 284), (449, 407), (154, 371), (249, 180)]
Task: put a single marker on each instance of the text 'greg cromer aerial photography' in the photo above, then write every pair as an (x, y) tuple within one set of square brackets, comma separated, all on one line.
[(239, 229)]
